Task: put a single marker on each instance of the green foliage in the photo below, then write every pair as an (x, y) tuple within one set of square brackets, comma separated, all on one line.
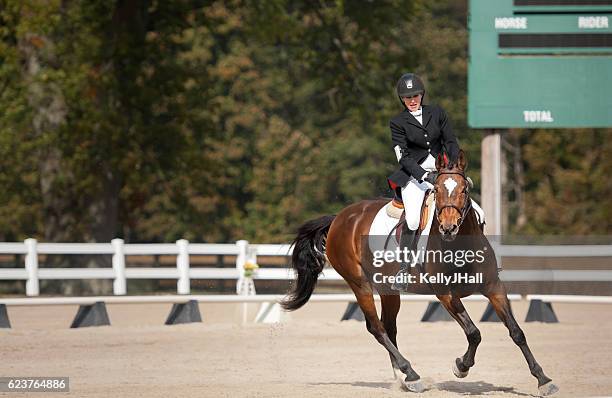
[(567, 182), (222, 120)]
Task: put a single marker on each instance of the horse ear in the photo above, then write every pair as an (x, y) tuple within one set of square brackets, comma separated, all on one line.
[(440, 161), (462, 161)]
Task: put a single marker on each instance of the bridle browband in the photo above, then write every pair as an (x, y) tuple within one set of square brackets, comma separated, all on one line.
[(468, 203)]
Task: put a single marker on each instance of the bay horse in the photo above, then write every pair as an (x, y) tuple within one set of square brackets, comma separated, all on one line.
[(339, 241)]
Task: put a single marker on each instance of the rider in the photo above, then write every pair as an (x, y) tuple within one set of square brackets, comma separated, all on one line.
[(419, 134)]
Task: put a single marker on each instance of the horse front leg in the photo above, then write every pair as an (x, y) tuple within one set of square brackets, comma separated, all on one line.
[(365, 299), (455, 307), (501, 304)]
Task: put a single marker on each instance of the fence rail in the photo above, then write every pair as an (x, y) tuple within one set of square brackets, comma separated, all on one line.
[(244, 252), (213, 298)]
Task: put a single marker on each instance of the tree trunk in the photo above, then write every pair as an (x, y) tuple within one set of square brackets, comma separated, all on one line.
[(62, 213)]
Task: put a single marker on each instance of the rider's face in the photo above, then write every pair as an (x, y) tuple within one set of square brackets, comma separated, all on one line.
[(413, 103)]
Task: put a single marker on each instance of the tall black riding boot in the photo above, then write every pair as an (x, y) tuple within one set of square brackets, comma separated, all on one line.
[(407, 240)]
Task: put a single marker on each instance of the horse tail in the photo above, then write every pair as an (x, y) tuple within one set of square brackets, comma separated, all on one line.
[(308, 260)]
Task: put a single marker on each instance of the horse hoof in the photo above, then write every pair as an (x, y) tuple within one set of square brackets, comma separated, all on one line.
[(548, 389), (459, 374), (414, 386)]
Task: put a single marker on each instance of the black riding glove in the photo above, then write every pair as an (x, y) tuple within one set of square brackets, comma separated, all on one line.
[(431, 177)]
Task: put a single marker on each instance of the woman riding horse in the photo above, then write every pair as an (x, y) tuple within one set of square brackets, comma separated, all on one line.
[(419, 134), (338, 240)]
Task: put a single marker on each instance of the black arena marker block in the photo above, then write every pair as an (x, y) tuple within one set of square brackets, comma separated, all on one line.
[(490, 315), (91, 315), (188, 312), (541, 311), (4, 319), (353, 311), (435, 312)]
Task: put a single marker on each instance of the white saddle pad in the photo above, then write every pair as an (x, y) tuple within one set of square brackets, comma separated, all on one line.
[(383, 224)]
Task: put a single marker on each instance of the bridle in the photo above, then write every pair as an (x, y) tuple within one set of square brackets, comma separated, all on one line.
[(468, 203)]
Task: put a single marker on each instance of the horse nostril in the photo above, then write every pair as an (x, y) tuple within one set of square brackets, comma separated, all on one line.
[(448, 230)]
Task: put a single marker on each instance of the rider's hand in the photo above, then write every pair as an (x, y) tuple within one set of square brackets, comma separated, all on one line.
[(430, 177)]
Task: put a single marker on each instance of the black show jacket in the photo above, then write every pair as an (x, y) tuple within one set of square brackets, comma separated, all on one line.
[(416, 141)]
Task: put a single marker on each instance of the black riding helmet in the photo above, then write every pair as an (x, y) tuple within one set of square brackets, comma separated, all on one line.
[(408, 85)]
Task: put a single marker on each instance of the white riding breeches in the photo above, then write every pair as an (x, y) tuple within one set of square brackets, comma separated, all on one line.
[(412, 196), (414, 192)]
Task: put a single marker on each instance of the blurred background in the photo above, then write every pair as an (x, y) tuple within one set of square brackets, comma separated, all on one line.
[(215, 121)]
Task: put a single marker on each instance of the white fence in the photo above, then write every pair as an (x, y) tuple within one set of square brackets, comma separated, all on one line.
[(182, 249), (244, 252), (223, 298)]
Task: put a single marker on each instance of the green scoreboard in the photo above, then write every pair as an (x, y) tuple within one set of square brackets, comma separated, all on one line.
[(540, 63)]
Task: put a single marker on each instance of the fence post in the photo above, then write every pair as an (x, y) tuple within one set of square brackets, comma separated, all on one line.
[(31, 266), (182, 265), (241, 258), (119, 284)]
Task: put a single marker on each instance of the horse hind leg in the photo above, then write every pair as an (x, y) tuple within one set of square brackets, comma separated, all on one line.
[(365, 299), (390, 305), (500, 303), (454, 306)]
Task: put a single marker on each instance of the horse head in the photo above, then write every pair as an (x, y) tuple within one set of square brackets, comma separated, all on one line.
[(452, 191)]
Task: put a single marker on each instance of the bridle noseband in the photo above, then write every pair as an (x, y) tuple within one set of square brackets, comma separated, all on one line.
[(468, 202)]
